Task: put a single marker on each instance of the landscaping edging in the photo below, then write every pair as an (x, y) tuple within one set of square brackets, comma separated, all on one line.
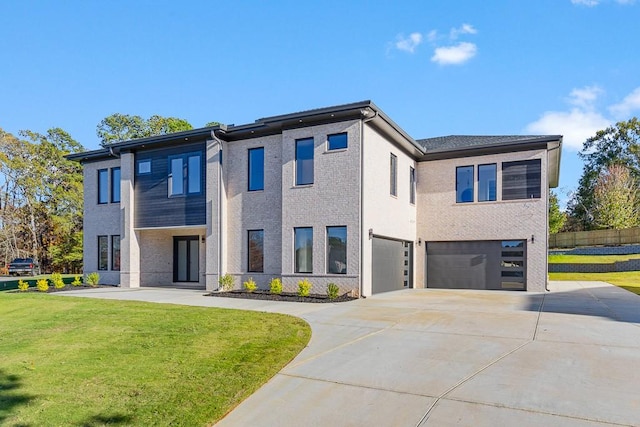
[(284, 296)]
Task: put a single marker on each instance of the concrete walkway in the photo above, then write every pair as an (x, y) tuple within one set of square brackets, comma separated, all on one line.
[(570, 357)]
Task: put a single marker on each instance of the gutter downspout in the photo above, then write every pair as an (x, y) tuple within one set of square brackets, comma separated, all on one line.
[(219, 207), (365, 113)]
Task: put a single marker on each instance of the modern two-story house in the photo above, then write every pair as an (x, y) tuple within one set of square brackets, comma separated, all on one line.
[(339, 194)]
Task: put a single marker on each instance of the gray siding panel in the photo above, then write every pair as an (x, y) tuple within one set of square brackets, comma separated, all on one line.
[(153, 207)]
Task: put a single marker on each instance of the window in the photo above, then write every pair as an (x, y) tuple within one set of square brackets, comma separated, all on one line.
[(103, 186), (185, 174), (337, 250), (256, 250), (115, 252), (115, 185), (144, 167), (256, 169), (487, 183), (304, 161), (303, 249), (393, 175), (412, 185), (103, 252), (337, 141), (464, 184), (521, 180)]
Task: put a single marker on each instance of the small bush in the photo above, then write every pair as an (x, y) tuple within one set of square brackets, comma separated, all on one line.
[(250, 285), (42, 285), (22, 285), (77, 281), (275, 286), (304, 288), (332, 290), (226, 282), (4, 271), (56, 279), (93, 279)]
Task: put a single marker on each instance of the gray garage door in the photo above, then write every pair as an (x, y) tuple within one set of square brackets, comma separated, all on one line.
[(476, 265), (391, 264)]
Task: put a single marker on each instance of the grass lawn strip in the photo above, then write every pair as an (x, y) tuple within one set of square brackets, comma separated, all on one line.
[(590, 259), (76, 361), (629, 280)]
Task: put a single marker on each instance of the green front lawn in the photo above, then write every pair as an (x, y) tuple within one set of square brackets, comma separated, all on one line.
[(76, 361), (629, 280), (589, 259)]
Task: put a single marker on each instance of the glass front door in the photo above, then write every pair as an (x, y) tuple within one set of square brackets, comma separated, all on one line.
[(186, 256)]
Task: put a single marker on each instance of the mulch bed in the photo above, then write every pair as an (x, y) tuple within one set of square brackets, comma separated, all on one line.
[(285, 296)]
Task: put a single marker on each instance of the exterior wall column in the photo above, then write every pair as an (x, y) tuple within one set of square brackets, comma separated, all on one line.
[(216, 207), (130, 240)]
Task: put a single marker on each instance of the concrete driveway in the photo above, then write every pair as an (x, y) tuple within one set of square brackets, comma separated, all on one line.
[(570, 357)]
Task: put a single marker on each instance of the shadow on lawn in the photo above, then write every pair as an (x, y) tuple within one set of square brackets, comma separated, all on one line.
[(10, 397), (111, 420)]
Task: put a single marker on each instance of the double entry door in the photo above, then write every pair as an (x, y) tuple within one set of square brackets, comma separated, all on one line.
[(186, 258)]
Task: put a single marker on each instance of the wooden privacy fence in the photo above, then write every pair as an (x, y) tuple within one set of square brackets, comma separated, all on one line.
[(575, 239)]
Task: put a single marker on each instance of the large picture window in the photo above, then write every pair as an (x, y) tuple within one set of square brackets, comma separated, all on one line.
[(487, 183), (103, 252), (521, 180), (256, 251), (303, 249), (464, 184), (337, 250), (256, 169), (103, 186), (115, 252), (304, 161), (185, 174), (393, 175), (115, 185)]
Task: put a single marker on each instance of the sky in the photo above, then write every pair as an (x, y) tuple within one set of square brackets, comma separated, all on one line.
[(436, 67)]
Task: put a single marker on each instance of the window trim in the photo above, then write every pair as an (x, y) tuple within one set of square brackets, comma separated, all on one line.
[(540, 189), (412, 185), (186, 178), (346, 143), (104, 238), (473, 188), (495, 176), (249, 232), (113, 184), (296, 270), (249, 168), (106, 181), (327, 247), (393, 175), (115, 238), (296, 174)]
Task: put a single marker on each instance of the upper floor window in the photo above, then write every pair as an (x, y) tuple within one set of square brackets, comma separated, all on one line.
[(337, 250), (115, 185), (393, 175), (256, 169), (337, 141), (487, 183), (464, 184), (144, 167), (103, 186), (521, 180), (412, 185), (304, 161), (185, 174)]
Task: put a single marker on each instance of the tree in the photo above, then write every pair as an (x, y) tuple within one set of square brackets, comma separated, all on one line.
[(557, 218), (122, 127), (615, 199), (615, 145)]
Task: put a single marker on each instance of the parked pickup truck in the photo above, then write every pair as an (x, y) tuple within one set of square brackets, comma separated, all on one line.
[(23, 266)]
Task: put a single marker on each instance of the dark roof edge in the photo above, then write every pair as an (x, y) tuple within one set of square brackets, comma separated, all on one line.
[(315, 112), (538, 139)]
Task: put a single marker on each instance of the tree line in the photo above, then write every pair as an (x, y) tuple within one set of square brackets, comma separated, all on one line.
[(41, 192)]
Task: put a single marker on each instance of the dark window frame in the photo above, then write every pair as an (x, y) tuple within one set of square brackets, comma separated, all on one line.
[(103, 196), (115, 186), (329, 247), (495, 183), (333, 136), (522, 186), (103, 264), (393, 175), (299, 162), (296, 268), (141, 162), (115, 252), (186, 174), (462, 197), (250, 265), (258, 186), (412, 185)]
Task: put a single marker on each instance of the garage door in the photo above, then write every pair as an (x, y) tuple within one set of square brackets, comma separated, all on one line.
[(391, 264), (476, 265)]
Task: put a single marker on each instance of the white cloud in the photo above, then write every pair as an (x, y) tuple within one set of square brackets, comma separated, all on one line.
[(585, 97), (464, 29), (588, 3), (410, 43), (454, 55), (576, 126), (432, 36), (629, 104)]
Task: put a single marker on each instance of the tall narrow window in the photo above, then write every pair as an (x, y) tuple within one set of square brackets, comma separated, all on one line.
[(393, 175), (193, 175), (176, 179), (303, 249), (256, 169), (103, 252), (464, 184), (487, 183), (337, 250), (521, 180), (412, 185), (115, 185), (103, 186), (337, 141), (115, 252), (304, 161), (256, 251)]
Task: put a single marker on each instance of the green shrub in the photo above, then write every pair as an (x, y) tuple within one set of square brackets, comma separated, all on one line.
[(22, 285), (226, 282), (93, 279), (304, 288), (56, 279), (332, 290), (77, 281), (275, 286), (42, 285), (250, 285)]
